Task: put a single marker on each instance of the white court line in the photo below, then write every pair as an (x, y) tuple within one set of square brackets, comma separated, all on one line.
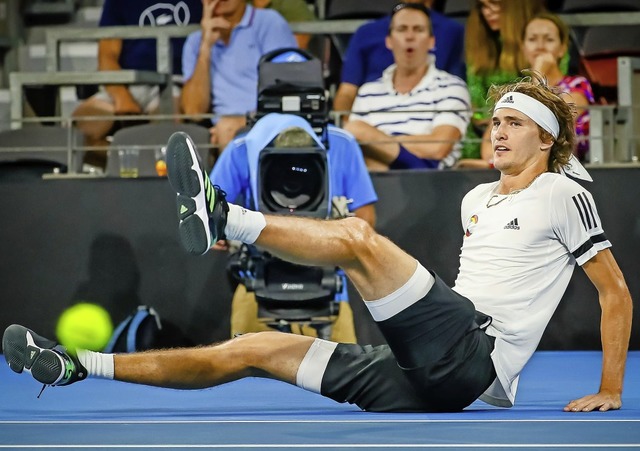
[(338, 421), (355, 445)]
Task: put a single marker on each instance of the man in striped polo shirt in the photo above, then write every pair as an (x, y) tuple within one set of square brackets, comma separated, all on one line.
[(414, 116)]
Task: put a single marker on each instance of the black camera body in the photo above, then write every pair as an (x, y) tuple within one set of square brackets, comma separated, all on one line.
[(293, 87)]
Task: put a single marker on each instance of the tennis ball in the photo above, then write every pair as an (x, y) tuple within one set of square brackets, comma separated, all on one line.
[(84, 326)]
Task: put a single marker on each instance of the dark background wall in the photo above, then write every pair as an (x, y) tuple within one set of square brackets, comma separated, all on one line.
[(114, 241)]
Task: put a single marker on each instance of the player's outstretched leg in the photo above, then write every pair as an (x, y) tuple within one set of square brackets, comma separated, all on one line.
[(266, 354), (202, 208), (48, 362)]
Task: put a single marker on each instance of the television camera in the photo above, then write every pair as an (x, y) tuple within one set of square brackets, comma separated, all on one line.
[(291, 179)]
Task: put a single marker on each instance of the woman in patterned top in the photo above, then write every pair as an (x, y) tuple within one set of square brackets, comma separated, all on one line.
[(544, 44)]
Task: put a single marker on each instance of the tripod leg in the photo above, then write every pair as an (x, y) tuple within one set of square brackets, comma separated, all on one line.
[(282, 326), (323, 330)]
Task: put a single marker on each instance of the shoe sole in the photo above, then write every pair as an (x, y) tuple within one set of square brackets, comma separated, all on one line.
[(24, 355), (186, 176)]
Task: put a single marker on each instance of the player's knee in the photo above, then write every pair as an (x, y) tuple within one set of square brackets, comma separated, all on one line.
[(359, 234), (251, 348)]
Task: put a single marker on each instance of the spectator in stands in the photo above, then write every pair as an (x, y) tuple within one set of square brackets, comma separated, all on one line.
[(220, 62), (544, 45), (415, 114), (348, 179), (367, 55), (493, 56), (137, 54), (292, 11)]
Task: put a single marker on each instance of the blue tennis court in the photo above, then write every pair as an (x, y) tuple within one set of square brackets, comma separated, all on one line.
[(257, 414)]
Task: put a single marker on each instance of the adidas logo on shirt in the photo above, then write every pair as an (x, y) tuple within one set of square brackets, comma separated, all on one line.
[(513, 225)]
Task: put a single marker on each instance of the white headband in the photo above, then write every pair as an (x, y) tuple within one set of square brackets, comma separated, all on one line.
[(542, 116), (533, 108)]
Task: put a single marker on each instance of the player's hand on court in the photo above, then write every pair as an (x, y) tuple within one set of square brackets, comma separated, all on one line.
[(601, 401)]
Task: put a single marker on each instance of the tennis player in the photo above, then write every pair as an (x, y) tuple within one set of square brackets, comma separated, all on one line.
[(447, 347)]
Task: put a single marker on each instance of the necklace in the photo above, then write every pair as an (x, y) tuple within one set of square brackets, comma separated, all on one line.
[(502, 197)]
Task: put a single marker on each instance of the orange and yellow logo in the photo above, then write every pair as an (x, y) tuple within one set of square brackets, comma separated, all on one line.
[(473, 220)]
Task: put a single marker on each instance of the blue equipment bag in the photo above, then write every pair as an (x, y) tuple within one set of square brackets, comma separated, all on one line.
[(140, 331)]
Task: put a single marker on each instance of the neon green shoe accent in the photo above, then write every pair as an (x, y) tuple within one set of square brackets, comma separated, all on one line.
[(69, 369), (183, 209), (210, 192)]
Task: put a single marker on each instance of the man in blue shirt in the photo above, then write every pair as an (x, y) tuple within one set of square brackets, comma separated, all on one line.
[(220, 62), (236, 173), (367, 55)]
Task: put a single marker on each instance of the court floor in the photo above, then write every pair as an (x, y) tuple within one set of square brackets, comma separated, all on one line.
[(264, 414)]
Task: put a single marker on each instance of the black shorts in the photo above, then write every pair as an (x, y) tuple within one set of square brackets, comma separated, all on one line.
[(438, 359)]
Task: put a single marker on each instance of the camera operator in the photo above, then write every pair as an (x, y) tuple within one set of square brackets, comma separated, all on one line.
[(348, 178)]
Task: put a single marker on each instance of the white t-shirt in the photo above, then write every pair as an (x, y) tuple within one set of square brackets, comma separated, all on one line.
[(517, 258)]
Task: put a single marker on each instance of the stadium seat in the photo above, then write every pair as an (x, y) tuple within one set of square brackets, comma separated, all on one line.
[(336, 44), (599, 48), (42, 148), (593, 6), (358, 9), (457, 9), (48, 12)]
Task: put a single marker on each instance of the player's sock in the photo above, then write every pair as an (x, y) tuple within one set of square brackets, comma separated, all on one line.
[(97, 363), (244, 225)]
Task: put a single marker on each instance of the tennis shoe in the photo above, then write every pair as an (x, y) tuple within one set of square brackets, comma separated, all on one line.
[(202, 207), (48, 362)]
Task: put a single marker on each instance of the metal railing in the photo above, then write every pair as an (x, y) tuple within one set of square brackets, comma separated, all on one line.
[(612, 143)]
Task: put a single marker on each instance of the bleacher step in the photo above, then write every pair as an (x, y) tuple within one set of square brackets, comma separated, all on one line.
[(81, 56)]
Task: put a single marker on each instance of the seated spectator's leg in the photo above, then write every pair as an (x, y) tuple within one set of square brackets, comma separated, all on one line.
[(149, 99), (343, 329), (375, 165), (226, 129), (95, 131), (378, 148)]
